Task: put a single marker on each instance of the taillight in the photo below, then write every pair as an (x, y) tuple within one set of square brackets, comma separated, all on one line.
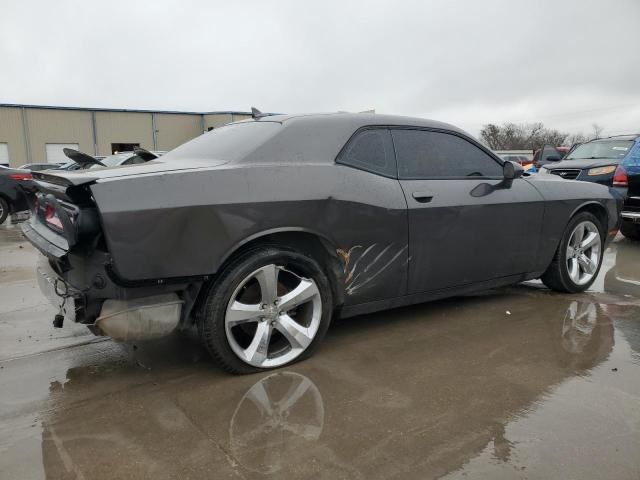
[(20, 176), (620, 178), (51, 217)]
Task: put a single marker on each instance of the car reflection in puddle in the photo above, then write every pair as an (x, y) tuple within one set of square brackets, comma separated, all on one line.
[(580, 320), (278, 417)]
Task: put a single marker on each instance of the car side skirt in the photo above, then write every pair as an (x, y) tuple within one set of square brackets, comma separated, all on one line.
[(370, 307)]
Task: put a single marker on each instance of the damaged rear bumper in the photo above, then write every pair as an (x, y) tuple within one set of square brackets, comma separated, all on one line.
[(124, 319)]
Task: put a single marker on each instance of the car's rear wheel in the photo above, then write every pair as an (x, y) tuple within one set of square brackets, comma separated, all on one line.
[(268, 308), (4, 210), (579, 256), (630, 230)]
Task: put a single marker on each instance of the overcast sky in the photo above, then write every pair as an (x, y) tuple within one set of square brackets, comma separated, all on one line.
[(565, 63)]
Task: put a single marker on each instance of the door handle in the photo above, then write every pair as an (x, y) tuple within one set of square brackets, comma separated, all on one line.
[(422, 197)]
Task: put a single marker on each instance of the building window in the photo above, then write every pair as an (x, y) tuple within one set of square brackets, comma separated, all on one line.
[(54, 153), (123, 147), (4, 154)]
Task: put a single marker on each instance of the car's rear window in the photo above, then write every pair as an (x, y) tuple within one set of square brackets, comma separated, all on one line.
[(231, 142)]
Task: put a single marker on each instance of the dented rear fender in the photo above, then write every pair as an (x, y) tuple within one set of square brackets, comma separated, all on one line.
[(187, 223)]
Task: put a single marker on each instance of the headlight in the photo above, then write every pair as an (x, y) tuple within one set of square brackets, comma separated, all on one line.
[(602, 170), (543, 170)]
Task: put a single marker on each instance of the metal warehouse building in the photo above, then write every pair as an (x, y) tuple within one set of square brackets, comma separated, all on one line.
[(35, 133)]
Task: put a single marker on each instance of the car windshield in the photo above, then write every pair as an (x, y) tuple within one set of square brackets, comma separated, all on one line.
[(231, 142), (614, 149)]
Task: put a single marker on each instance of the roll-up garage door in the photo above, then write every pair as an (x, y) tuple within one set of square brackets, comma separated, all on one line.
[(55, 154), (4, 154)]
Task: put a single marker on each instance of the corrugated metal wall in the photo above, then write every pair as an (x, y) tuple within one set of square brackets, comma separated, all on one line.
[(237, 117), (173, 129), (12, 133), (123, 127), (41, 125), (215, 121), (57, 126)]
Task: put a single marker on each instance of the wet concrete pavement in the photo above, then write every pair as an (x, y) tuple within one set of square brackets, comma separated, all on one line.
[(514, 383)]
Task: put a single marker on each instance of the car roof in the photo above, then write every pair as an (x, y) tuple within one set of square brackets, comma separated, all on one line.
[(629, 137), (358, 119), (319, 137)]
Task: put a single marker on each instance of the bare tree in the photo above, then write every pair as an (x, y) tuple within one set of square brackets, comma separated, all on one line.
[(491, 136), (574, 138), (596, 131), (523, 136)]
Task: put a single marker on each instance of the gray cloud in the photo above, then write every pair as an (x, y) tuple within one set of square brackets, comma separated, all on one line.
[(566, 63)]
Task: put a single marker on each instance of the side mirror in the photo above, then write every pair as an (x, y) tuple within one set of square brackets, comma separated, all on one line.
[(553, 158), (512, 170)]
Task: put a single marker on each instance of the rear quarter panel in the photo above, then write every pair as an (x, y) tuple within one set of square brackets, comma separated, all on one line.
[(187, 223)]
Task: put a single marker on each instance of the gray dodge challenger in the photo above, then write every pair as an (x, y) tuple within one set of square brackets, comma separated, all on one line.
[(263, 231)]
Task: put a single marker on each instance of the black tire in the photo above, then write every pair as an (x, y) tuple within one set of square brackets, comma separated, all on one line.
[(4, 210), (630, 230), (211, 325), (557, 277)]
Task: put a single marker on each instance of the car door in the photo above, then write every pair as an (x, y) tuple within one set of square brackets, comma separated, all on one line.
[(466, 223), (373, 243)]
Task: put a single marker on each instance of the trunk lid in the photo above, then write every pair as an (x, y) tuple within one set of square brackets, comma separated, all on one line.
[(64, 179), (64, 212)]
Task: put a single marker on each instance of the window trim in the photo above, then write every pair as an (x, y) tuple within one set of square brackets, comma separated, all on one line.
[(345, 147), (470, 140), (389, 128)]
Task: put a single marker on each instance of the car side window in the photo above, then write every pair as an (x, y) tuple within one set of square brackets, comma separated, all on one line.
[(371, 150), (427, 154), (550, 151)]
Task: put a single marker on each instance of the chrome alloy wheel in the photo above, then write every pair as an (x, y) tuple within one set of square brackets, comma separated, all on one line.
[(272, 316), (583, 252)]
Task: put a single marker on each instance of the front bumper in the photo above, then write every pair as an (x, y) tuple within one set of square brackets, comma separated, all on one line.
[(633, 217)]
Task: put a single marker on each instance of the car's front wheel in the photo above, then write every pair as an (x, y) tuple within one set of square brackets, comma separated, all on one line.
[(269, 307), (630, 230), (579, 256)]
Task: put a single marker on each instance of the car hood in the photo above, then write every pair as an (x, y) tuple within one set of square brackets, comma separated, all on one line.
[(582, 163), (81, 177)]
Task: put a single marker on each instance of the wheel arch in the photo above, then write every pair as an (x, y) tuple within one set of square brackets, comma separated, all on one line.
[(311, 242), (595, 208)]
